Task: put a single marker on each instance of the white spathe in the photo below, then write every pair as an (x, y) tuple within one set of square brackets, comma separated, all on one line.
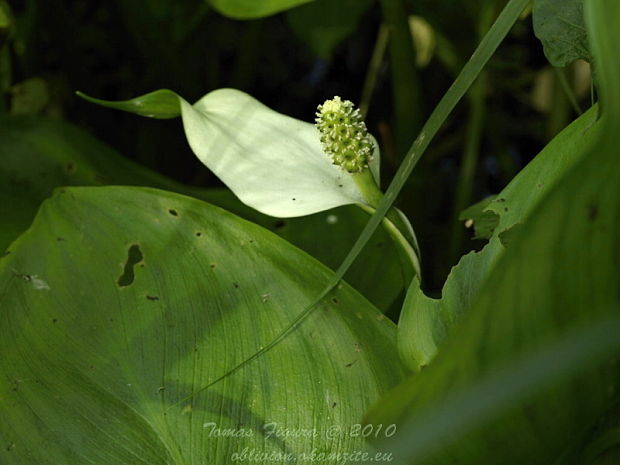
[(272, 162)]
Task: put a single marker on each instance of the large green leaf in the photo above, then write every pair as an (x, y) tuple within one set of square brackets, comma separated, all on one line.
[(323, 24), (120, 305), (559, 25), (327, 236), (425, 322), (249, 9), (38, 155), (558, 275)]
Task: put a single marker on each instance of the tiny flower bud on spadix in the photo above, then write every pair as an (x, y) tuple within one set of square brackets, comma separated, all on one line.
[(344, 135)]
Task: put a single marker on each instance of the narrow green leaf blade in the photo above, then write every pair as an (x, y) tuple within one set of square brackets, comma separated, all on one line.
[(466, 77)]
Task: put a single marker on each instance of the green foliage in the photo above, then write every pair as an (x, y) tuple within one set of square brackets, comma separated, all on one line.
[(38, 155), (323, 24), (139, 323), (556, 282), (560, 26), (121, 305), (499, 213), (546, 283), (161, 104), (425, 322), (249, 9)]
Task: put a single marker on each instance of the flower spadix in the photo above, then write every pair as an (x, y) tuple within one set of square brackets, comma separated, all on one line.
[(272, 162), (344, 135)]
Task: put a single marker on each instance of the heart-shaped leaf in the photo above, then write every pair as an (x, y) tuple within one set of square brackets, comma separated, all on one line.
[(120, 305)]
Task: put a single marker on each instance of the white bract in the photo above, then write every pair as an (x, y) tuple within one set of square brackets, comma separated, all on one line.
[(272, 162)]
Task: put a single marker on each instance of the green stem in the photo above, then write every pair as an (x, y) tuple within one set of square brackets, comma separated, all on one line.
[(405, 80), (470, 72), (368, 186), (396, 225), (409, 261)]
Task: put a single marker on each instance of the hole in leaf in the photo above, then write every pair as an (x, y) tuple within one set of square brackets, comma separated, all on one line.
[(173, 212), (152, 297), (509, 234), (134, 257), (198, 234)]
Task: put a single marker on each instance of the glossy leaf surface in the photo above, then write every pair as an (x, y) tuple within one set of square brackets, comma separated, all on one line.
[(120, 305)]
